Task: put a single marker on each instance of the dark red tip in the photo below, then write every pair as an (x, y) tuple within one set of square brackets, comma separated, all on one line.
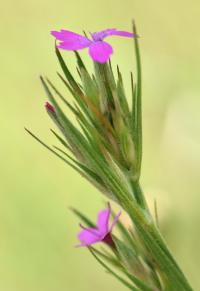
[(49, 107), (108, 240)]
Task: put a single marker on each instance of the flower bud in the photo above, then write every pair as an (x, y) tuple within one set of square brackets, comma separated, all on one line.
[(50, 108)]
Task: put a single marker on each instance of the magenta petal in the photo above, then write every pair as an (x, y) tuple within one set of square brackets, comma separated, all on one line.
[(121, 33), (70, 40), (102, 34), (100, 51), (109, 32), (115, 221), (103, 221), (89, 236)]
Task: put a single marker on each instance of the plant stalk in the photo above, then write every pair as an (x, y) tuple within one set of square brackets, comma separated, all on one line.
[(156, 245)]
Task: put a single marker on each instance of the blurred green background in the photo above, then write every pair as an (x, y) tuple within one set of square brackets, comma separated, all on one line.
[(37, 231)]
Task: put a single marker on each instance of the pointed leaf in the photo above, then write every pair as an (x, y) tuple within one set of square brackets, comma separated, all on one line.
[(137, 113), (62, 98), (131, 262), (82, 217), (67, 73), (122, 280)]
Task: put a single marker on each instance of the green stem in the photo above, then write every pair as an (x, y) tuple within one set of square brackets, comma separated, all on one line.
[(139, 196), (142, 219), (155, 244)]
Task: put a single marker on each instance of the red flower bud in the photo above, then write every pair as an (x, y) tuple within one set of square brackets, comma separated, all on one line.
[(50, 107)]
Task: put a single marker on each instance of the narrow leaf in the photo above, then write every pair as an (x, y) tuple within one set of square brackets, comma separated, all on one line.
[(67, 73), (82, 217), (122, 280), (138, 102)]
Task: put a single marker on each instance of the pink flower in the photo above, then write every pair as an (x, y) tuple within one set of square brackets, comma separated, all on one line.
[(99, 50), (100, 233)]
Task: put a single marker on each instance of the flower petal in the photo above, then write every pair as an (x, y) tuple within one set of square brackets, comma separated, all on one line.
[(102, 34), (70, 40), (115, 221), (100, 51), (103, 221), (89, 236), (109, 32), (121, 33)]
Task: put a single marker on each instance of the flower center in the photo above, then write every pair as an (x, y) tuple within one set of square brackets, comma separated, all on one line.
[(97, 37), (108, 240)]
